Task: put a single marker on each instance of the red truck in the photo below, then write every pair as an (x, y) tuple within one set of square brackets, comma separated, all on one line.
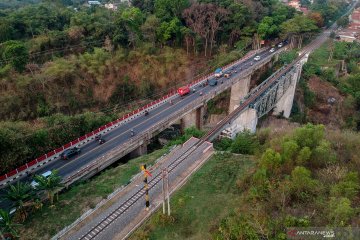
[(183, 90)]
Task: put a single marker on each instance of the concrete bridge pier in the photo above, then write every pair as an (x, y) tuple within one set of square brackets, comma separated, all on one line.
[(139, 151), (247, 120), (193, 118), (239, 90)]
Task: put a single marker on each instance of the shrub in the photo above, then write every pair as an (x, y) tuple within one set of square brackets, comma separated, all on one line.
[(309, 136), (340, 211), (302, 185), (289, 151), (304, 156), (271, 160), (245, 143), (348, 187), (223, 145)]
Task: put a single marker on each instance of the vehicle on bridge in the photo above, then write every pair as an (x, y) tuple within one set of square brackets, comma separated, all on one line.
[(46, 174), (183, 90), (257, 58), (227, 74), (272, 50), (218, 72), (70, 152), (213, 82)]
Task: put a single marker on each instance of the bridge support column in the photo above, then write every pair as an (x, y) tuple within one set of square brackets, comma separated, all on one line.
[(238, 91), (284, 105), (141, 150), (193, 118), (247, 120)]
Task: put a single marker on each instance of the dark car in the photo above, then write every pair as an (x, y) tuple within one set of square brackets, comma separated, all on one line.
[(213, 82), (70, 152)]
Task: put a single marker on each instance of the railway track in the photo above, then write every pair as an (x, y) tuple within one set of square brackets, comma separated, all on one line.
[(122, 208)]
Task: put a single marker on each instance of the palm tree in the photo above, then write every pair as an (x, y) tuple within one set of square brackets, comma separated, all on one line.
[(50, 184), (19, 193), (7, 226)]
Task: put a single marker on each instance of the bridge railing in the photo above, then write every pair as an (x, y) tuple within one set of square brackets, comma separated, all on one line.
[(54, 155)]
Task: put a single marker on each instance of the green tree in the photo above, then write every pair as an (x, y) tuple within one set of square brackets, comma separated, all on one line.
[(303, 156), (290, 150), (340, 211), (271, 160), (16, 54), (150, 27), (7, 225), (18, 194), (302, 185), (309, 136), (245, 143), (169, 9), (267, 28), (50, 184)]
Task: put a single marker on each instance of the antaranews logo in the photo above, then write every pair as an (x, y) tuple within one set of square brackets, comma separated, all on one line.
[(323, 233)]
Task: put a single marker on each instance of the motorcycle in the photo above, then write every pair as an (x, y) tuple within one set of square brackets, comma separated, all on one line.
[(101, 141), (146, 112)]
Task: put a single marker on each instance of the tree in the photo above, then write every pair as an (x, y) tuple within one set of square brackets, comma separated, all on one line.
[(150, 27), (188, 37), (19, 194), (245, 143), (302, 184), (205, 20), (304, 156), (169, 9), (169, 30), (16, 54), (267, 28), (6, 30), (216, 17), (309, 136), (132, 18), (7, 226), (50, 184), (296, 28), (317, 17), (289, 150), (271, 160)]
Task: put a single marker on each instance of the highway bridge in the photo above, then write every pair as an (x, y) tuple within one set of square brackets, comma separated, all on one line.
[(119, 140)]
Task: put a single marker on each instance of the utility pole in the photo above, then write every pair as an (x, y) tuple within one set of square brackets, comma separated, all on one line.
[(165, 188)]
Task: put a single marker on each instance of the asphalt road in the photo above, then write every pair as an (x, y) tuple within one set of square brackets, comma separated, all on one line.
[(122, 134)]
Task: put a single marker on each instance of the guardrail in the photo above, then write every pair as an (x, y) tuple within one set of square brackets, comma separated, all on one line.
[(137, 140), (53, 155)]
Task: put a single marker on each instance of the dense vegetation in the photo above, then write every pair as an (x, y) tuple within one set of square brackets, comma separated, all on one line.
[(302, 177), (326, 63)]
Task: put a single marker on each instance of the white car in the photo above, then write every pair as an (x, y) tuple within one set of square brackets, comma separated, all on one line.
[(280, 45), (257, 58), (272, 50), (34, 184)]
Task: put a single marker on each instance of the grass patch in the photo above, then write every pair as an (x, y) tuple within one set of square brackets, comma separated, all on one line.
[(197, 208), (45, 223)]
